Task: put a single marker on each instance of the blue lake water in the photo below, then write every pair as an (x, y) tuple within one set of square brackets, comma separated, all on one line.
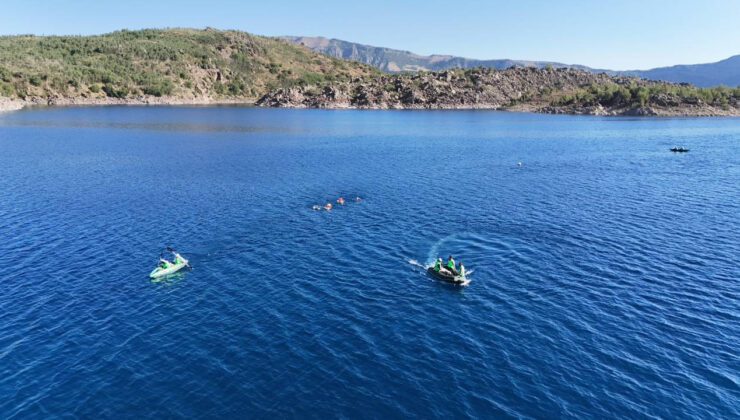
[(605, 270)]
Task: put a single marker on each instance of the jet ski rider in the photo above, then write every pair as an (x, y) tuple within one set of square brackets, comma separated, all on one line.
[(451, 265)]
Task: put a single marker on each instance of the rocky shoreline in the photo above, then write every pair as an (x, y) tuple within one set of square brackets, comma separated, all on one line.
[(515, 89), (17, 104), (10, 104)]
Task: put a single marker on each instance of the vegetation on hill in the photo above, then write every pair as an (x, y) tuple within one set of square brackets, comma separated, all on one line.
[(633, 95), (184, 63)]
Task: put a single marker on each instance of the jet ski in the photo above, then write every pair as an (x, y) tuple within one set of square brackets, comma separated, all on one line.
[(171, 267), (446, 276)]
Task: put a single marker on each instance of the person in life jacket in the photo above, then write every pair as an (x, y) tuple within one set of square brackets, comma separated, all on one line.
[(178, 259), (462, 269), (164, 264), (451, 265), (438, 264)]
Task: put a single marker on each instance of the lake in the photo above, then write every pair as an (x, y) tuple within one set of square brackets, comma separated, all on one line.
[(604, 270)]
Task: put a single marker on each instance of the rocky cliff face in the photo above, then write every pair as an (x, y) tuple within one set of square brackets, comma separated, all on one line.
[(525, 89), (479, 88)]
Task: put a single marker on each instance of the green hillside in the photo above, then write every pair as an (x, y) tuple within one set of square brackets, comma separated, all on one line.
[(183, 63)]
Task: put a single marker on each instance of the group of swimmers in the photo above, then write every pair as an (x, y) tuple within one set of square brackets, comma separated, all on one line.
[(449, 267), (327, 206)]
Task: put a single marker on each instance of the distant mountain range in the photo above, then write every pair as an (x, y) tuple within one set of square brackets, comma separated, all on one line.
[(725, 72)]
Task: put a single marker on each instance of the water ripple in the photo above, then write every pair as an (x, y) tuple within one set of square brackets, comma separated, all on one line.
[(604, 270)]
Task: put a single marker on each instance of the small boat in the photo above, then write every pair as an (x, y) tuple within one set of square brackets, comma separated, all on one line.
[(173, 268), (679, 149), (446, 276)]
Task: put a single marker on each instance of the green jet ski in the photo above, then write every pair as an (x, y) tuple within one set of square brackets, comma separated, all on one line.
[(445, 275), (166, 268)]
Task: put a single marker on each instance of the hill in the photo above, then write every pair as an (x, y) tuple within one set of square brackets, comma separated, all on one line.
[(725, 72), (177, 64)]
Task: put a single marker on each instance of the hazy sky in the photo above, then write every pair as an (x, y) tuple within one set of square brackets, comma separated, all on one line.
[(626, 34)]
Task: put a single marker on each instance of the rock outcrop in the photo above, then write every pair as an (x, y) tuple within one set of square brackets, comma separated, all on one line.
[(517, 88), (7, 104)]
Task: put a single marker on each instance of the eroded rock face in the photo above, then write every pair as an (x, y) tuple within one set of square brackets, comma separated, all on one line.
[(642, 111), (478, 88), (665, 100), (517, 88)]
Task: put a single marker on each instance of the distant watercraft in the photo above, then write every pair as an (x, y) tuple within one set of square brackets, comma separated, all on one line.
[(679, 149)]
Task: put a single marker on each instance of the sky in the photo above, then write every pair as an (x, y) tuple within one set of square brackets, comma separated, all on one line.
[(618, 35)]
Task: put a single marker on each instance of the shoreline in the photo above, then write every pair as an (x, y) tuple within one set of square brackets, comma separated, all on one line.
[(10, 105)]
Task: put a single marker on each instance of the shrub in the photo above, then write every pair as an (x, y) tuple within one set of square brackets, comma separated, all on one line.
[(35, 80), (311, 78), (219, 88), (5, 75), (112, 92), (158, 88), (564, 100), (94, 88), (640, 95), (236, 87), (6, 89)]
